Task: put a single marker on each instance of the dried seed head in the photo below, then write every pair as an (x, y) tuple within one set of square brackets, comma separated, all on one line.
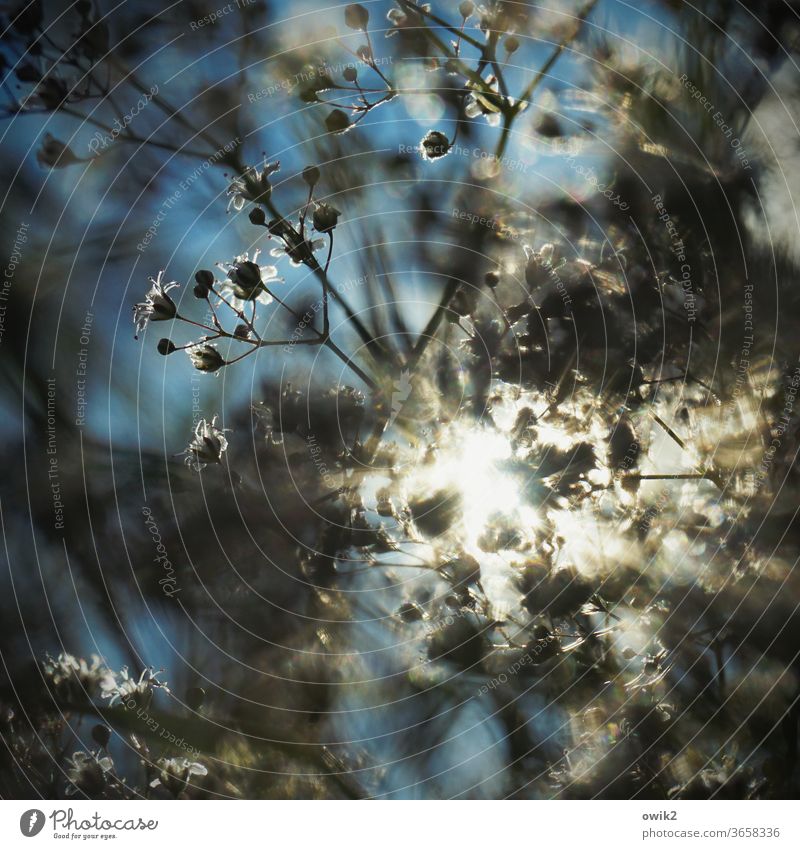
[(165, 346)]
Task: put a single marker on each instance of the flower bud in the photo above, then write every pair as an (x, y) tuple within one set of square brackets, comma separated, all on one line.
[(511, 44), (435, 145), (466, 8), (195, 696), (165, 346), (337, 121), (356, 16), (205, 282), (101, 734), (492, 279), (350, 74), (311, 175), (257, 216)]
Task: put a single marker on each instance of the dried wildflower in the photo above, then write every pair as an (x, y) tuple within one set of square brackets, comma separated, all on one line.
[(253, 186), (175, 773), (74, 679), (121, 689), (157, 305), (435, 145), (325, 217), (55, 154), (88, 774), (205, 358), (207, 446)]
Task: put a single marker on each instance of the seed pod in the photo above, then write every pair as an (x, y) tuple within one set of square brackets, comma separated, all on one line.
[(165, 346), (257, 216), (492, 279), (350, 74)]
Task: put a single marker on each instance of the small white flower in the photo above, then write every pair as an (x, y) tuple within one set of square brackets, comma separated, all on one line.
[(87, 774), (73, 678), (247, 281), (253, 185), (207, 446), (294, 253), (175, 773), (157, 305), (121, 690)]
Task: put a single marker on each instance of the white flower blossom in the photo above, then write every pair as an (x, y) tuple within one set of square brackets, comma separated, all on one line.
[(175, 773), (157, 305), (207, 446), (120, 690), (88, 774), (247, 281), (253, 186)]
